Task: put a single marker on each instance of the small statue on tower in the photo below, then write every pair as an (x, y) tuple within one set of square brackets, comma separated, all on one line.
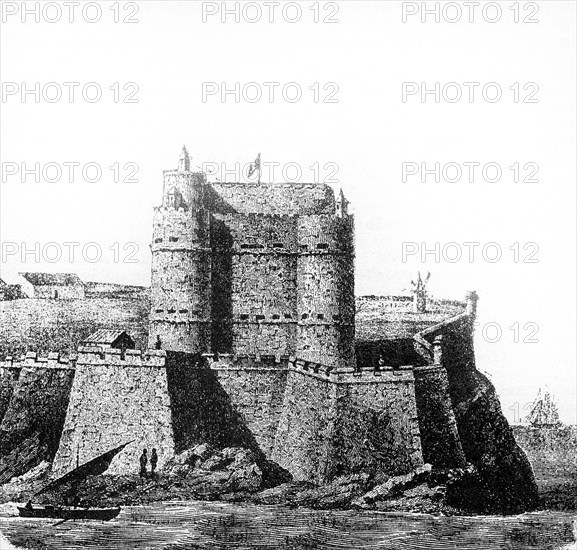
[(255, 167)]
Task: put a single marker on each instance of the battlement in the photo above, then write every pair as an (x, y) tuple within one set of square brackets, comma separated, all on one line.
[(285, 186), (96, 356), (255, 216), (32, 360), (384, 374), (179, 175), (404, 303), (229, 361), (175, 213)]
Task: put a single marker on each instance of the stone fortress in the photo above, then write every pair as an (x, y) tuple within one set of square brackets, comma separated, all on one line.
[(252, 343)]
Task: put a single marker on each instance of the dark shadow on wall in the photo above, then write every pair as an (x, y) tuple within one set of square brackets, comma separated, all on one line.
[(8, 381), (395, 353), (215, 203), (221, 243), (32, 425), (202, 411)]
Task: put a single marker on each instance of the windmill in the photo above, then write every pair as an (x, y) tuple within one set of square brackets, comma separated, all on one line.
[(419, 291)]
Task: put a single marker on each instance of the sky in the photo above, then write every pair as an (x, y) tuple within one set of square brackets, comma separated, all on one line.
[(361, 124)]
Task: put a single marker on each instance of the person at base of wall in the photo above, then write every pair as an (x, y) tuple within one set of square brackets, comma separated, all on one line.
[(153, 463), (143, 463)]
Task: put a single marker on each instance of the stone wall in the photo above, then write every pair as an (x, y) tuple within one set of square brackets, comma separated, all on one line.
[(32, 424), (306, 431), (261, 283), (272, 198), (252, 269), (439, 433), (202, 410), (166, 400), (60, 292), (256, 390), (340, 422), (9, 374), (284, 285), (181, 267), (325, 290), (115, 400), (378, 428)]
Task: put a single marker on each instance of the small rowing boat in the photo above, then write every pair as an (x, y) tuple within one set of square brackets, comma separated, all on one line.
[(68, 512), (93, 467)]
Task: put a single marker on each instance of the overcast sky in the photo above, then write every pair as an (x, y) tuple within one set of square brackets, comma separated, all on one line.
[(351, 117)]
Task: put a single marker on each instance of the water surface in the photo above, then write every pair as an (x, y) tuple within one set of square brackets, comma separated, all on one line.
[(214, 526)]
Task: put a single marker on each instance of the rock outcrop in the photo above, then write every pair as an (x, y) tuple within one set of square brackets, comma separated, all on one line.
[(502, 480)]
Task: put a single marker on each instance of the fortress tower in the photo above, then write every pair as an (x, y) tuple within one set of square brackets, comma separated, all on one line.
[(180, 303), (325, 290), (255, 269)]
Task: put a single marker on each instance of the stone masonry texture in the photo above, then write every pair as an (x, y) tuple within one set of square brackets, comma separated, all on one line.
[(252, 343)]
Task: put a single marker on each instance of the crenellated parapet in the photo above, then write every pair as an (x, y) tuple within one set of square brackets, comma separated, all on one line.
[(116, 397), (232, 362), (32, 360), (383, 374), (94, 356)]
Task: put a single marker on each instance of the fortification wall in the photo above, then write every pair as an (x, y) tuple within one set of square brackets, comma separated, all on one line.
[(378, 428), (8, 378), (256, 389), (306, 430), (438, 426), (404, 303), (33, 420), (115, 400), (337, 422), (72, 292)]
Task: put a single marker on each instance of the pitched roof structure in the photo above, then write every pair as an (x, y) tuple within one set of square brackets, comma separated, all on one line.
[(106, 336)]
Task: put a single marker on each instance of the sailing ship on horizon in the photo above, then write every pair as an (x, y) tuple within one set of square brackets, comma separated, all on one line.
[(544, 412)]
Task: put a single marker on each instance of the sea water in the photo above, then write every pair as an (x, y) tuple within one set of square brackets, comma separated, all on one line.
[(216, 525)]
